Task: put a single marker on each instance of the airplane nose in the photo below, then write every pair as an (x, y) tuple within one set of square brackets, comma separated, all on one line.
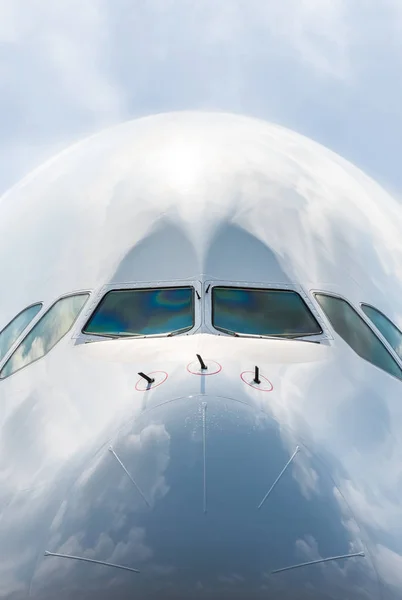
[(204, 497)]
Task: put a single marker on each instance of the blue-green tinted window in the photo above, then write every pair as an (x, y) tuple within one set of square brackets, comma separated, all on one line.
[(143, 312), (262, 312), (14, 329), (386, 327), (352, 328), (54, 324)]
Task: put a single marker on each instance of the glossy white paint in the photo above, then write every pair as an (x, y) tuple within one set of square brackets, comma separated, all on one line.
[(200, 198)]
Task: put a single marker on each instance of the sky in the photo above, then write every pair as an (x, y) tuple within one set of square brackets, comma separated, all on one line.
[(329, 69)]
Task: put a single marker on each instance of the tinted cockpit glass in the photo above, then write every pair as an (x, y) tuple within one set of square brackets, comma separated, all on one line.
[(386, 327), (14, 329), (357, 334), (143, 312), (45, 334), (262, 312)]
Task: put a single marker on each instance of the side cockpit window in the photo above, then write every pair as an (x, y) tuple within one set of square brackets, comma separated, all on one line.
[(142, 312), (13, 330), (54, 324), (357, 334), (262, 312), (385, 326)]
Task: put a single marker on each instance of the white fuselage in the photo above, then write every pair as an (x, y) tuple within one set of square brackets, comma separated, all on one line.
[(203, 483)]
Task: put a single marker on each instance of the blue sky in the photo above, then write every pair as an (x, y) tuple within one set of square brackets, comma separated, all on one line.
[(330, 69)]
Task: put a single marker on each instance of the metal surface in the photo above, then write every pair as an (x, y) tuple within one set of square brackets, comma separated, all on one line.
[(204, 487)]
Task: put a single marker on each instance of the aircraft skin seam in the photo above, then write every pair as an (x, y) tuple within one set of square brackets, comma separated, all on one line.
[(129, 476), (279, 476), (91, 560), (318, 561)]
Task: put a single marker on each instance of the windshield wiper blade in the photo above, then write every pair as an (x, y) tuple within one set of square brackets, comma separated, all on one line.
[(127, 334), (228, 331), (112, 336), (116, 336), (177, 331), (269, 336), (298, 338)]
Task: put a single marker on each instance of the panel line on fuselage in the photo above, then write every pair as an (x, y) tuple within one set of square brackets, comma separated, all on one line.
[(319, 560), (91, 560), (130, 477), (279, 476)]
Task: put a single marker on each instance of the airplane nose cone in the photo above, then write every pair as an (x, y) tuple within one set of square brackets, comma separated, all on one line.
[(204, 498)]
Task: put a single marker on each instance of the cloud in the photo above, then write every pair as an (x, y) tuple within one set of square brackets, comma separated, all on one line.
[(54, 85), (315, 31), (323, 67), (46, 333), (232, 579), (389, 565), (13, 330), (103, 517), (65, 44), (133, 550)]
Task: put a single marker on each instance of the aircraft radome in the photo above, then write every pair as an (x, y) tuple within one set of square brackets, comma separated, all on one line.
[(200, 370)]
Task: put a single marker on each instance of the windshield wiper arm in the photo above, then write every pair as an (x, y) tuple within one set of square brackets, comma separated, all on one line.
[(114, 336), (299, 338), (269, 336), (127, 335), (228, 331), (177, 331)]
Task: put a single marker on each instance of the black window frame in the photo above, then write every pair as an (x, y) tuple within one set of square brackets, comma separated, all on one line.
[(142, 289)]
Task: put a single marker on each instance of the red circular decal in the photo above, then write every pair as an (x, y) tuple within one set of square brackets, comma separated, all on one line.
[(264, 386), (213, 368), (143, 386)]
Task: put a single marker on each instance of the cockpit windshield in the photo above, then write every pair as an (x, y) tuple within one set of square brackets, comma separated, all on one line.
[(132, 312), (262, 312)]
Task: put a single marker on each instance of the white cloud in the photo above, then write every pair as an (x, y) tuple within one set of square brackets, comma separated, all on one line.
[(324, 67), (316, 31), (308, 548), (64, 42), (53, 81), (389, 565), (125, 553), (305, 475)]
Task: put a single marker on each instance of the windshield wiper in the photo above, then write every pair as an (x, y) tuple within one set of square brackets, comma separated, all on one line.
[(115, 336), (228, 331), (269, 336), (177, 331), (127, 335), (291, 337)]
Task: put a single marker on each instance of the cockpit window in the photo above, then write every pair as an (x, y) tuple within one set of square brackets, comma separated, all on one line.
[(253, 311), (54, 324), (390, 331), (143, 312), (13, 330), (357, 334)]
